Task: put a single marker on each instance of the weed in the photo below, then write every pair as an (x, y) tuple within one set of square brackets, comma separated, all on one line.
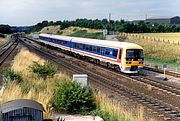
[(43, 70), (11, 75)]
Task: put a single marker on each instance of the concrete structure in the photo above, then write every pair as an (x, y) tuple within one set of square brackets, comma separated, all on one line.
[(81, 79)]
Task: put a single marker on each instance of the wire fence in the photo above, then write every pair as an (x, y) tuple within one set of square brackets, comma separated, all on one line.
[(160, 66), (146, 37)]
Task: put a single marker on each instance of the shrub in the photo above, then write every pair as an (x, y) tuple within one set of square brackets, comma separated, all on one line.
[(11, 75), (44, 70), (71, 97)]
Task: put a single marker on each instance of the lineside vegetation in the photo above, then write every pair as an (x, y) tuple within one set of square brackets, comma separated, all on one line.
[(57, 92)]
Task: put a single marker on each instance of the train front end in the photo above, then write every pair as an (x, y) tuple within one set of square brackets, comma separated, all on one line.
[(133, 59)]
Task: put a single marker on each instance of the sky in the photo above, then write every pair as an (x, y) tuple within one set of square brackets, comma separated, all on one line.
[(30, 12)]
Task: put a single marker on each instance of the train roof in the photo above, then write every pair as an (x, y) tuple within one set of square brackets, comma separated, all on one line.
[(106, 43)]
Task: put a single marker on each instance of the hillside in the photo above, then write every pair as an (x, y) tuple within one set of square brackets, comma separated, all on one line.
[(67, 31)]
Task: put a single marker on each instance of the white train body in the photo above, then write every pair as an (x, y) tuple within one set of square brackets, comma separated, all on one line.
[(127, 56)]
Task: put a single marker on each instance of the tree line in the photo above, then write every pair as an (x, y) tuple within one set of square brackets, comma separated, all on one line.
[(5, 29), (117, 26)]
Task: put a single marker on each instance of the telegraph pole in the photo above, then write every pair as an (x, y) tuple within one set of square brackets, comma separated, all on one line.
[(109, 17)]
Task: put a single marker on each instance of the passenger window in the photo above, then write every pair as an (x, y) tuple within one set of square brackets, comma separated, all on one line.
[(87, 48), (90, 48), (98, 49), (80, 46), (107, 51), (94, 49), (83, 46), (115, 52)]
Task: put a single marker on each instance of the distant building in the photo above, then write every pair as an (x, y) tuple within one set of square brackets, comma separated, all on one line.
[(160, 20), (165, 20), (137, 21)]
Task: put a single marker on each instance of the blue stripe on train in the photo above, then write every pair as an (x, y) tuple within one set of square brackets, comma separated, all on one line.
[(79, 46)]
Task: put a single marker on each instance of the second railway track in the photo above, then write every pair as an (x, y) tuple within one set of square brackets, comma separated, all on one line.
[(6, 52)]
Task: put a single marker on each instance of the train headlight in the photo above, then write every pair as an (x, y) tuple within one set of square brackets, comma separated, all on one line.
[(128, 62), (140, 62)]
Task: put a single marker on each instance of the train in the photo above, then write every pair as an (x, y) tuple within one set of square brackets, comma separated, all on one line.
[(124, 56)]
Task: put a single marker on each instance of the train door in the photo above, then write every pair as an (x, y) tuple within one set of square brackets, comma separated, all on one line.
[(120, 55)]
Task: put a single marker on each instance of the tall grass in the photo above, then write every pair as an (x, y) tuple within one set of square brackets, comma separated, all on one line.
[(116, 111), (32, 87), (171, 37)]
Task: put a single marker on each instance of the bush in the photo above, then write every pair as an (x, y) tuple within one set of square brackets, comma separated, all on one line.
[(72, 98), (11, 75), (43, 71)]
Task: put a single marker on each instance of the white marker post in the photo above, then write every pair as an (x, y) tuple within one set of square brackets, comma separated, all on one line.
[(165, 67)]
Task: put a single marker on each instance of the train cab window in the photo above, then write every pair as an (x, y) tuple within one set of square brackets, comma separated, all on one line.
[(98, 49), (94, 48), (107, 51), (115, 52), (90, 48)]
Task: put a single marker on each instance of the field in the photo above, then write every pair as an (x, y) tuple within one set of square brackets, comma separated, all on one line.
[(167, 37), (156, 51)]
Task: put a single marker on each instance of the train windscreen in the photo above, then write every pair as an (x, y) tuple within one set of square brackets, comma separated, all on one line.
[(134, 54)]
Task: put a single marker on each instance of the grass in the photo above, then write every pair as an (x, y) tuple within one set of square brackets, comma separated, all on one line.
[(172, 37), (32, 87), (51, 29), (85, 34), (114, 111), (158, 52), (66, 31)]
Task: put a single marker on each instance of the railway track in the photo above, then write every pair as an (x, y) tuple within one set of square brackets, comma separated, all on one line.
[(112, 83), (4, 54), (170, 73)]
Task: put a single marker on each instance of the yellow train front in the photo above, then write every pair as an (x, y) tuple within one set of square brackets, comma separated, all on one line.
[(132, 58)]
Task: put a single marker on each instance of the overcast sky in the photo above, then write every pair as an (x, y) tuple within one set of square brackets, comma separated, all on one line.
[(29, 12)]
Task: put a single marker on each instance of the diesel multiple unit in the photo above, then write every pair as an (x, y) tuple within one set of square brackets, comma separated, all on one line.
[(128, 57)]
